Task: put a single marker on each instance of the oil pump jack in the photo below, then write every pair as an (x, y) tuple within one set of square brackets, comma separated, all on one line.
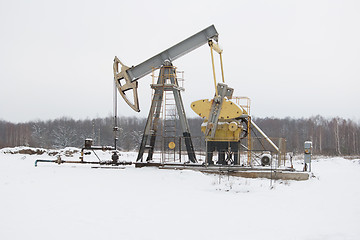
[(225, 122), (126, 80)]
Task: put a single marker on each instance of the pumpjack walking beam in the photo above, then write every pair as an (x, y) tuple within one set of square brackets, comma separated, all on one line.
[(131, 74), (126, 79)]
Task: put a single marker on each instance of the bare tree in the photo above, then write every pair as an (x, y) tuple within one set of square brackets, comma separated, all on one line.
[(64, 136)]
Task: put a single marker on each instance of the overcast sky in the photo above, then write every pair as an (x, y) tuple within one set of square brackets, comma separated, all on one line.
[(292, 58)]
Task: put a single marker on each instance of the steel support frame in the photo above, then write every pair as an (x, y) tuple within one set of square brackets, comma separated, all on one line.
[(167, 71)]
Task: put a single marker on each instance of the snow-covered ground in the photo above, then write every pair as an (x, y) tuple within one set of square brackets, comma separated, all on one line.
[(79, 202)]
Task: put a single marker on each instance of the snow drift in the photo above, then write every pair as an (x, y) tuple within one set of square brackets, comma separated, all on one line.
[(78, 202)]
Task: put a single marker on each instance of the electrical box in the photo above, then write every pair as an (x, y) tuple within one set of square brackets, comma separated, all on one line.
[(88, 143), (307, 154)]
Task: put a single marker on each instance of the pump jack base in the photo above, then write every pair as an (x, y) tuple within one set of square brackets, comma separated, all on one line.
[(237, 171), (108, 167)]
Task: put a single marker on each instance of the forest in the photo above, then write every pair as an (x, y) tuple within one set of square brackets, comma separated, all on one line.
[(330, 136)]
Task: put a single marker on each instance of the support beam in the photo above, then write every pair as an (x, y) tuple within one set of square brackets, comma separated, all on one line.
[(265, 136)]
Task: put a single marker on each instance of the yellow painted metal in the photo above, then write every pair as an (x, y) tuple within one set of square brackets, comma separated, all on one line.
[(219, 50), (229, 109), (202, 107), (222, 69), (223, 132), (233, 126), (171, 145), (216, 47), (213, 67)]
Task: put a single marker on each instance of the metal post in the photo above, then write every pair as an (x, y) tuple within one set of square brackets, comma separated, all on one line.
[(180, 148), (249, 141), (213, 67), (115, 129), (222, 69)]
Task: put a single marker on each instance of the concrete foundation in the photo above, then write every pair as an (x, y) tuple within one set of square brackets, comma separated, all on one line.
[(237, 171), (276, 174)]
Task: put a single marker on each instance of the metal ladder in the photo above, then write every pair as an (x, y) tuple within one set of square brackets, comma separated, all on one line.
[(155, 125)]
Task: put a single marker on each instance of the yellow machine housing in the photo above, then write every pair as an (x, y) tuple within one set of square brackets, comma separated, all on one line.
[(228, 128), (225, 131)]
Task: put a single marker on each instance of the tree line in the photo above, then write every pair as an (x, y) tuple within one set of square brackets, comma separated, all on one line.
[(330, 136)]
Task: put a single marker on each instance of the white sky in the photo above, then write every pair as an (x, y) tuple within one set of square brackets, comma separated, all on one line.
[(292, 58)]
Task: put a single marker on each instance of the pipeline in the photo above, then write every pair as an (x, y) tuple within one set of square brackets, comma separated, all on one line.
[(60, 161)]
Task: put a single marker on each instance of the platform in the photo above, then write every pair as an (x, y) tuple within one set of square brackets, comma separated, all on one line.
[(238, 171)]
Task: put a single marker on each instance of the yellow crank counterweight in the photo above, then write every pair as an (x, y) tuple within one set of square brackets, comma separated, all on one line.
[(229, 109)]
